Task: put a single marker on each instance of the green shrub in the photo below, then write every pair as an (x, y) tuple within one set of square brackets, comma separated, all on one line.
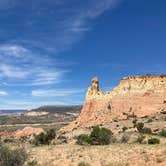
[(100, 136), (149, 120), (83, 139), (125, 138), (140, 126), (134, 123), (124, 128), (163, 133), (109, 107), (82, 163), (153, 141), (44, 138), (142, 129), (32, 163), (147, 130), (15, 157), (140, 138)]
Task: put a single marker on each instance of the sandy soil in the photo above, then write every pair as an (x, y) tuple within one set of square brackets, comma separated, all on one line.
[(110, 155)]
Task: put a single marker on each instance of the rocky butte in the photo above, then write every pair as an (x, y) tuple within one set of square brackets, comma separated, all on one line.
[(137, 96)]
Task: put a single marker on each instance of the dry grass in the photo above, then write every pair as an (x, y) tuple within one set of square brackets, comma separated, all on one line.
[(110, 155)]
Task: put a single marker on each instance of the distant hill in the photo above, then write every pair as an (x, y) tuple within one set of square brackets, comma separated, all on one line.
[(10, 112), (59, 109)]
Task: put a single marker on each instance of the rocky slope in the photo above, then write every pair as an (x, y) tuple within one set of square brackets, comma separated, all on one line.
[(135, 96)]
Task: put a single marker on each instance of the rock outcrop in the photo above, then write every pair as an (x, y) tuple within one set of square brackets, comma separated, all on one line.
[(25, 132), (135, 96)]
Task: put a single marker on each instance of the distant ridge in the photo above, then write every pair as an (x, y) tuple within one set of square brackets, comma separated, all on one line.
[(59, 108), (9, 112)]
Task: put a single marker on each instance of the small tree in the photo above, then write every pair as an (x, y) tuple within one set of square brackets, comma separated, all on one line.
[(83, 139), (140, 126), (100, 136), (153, 141), (12, 157), (44, 138), (163, 133)]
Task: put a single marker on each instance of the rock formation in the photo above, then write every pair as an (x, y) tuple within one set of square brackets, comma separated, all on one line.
[(25, 132), (93, 90), (134, 96)]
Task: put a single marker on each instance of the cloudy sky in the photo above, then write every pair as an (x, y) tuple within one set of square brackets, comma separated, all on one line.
[(50, 49)]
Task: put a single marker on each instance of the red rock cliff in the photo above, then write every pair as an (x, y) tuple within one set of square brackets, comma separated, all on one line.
[(138, 95), (135, 95)]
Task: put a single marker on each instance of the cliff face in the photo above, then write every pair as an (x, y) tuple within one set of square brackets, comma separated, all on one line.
[(136, 95)]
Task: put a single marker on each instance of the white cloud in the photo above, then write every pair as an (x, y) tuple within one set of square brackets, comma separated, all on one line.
[(56, 92), (27, 67), (12, 50), (3, 93), (12, 72), (65, 24)]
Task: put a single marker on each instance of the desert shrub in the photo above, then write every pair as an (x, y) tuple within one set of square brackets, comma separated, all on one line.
[(100, 136), (83, 139), (149, 120), (153, 141), (15, 157), (44, 138), (140, 138), (109, 107), (82, 163), (147, 130), (125, 138), (32, 163), (142, 129), (134, 122), (131, 115), (163, 133), (124, 128), (140, 126), (8, 140)]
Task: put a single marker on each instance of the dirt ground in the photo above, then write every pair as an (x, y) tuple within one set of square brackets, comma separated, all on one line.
[(110, 155)]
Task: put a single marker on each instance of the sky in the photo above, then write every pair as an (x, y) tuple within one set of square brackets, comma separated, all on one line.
[(50, 49)]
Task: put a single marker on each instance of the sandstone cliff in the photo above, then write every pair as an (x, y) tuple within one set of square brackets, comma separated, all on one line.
[(134, 96)]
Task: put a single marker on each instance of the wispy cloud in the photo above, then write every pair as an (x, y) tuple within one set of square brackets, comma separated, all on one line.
[(12, 72), (33, 35), (56, 92), (53, 25), (27, 67), (3, 93)]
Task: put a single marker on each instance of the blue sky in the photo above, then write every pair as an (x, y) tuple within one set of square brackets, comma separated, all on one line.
[(50, 49)]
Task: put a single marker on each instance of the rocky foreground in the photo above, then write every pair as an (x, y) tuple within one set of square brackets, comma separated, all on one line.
[(110, 155)]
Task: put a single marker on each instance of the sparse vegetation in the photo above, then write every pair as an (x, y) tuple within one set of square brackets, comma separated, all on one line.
[(142, 129), (125, 138), (109, 107), (83, 139), (140, 138), (147, 130), (98, 136), (124, 128), (163, 133), (82, 163), (12, 157), (140, 126), (153, 141), (44, 138), (31, 163), (149, 120)]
